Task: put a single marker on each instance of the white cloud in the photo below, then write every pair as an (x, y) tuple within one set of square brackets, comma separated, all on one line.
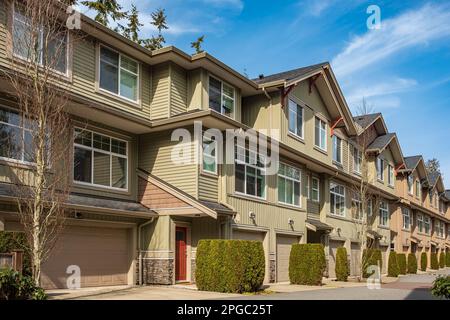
[(410, 29), (316, 8)]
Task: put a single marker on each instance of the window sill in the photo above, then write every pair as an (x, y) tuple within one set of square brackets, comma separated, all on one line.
[(380, 181), (343, 218), (325, 152), (289, 206), (92, 187), (380, 226), (55, 74), (118, 98), (338, 164), (406, 230), (249, 197), (296, 137), (356, 173), (17, 163)]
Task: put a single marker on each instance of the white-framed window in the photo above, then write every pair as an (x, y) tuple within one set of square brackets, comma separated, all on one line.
[(209, 155), (221, 97), (384, 214), (296, 119), (118, 74), (357, 160), (315, 189), (100, 160), (16, 139), (406, 219), (440, 228), (320, 134), (55, 54), (337, 149), (411, 184), (391, 176), (380, 168), (250, 173), (289, 185), (427, 224), (369, 207), (337, 199), (308, 187), (418, 188), (420, 222), (357, 207)]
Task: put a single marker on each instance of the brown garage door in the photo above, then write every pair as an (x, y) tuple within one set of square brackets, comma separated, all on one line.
[(254, 236), (101, 253), (332, 257), (355, 262), (284, 244)]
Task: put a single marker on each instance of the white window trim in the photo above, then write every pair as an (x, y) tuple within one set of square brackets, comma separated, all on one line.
[(318, 189), (420, 220), (339, 195), (406, 210), (303, 119), (320, 129), (93, 149), (263, 172), (425, 220), (341, 150), (386, 211), (222, 94), (391, 175), (380, 169), (411, 187), (65, 74), (294, 181), (203, 154), (356, 154), (138, 80), (358, 202)]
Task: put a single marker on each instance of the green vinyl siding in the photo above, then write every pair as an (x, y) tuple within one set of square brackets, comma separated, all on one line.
[(178, 90), (208, 187), (160, 92)]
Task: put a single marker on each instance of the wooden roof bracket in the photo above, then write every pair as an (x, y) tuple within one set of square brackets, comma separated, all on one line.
[(285, 92), (312, 81), (399, 167), (334, 125)]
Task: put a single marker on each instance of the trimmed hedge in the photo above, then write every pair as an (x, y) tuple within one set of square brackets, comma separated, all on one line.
[(342, 268), (371, 257), (423, 261), (401, 261), (10, 241), (442, 260), (307, 264), (434, 264), (447, 259), (412, 263), (231, 266), (393, 270), (15, 286)]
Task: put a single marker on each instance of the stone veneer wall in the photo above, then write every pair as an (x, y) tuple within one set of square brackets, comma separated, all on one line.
[(272, 271), (157, 271)]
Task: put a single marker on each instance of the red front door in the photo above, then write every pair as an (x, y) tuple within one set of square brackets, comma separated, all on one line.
[(180, 254)]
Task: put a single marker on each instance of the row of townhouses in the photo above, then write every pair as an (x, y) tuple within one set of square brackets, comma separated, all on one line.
[(136, 216)]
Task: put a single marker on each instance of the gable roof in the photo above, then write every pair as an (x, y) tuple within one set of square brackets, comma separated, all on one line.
[(290, 75), (364, 121), (382, 142), (412, 162), (435, 180), (447, 195)]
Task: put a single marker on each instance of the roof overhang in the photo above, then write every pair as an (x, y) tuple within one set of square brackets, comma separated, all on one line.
[(395, 148)]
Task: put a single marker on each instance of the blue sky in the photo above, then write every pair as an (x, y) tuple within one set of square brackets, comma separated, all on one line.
[(403, 69)]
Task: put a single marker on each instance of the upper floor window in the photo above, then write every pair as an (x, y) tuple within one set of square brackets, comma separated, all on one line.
[(15, 138), (100, 160), (441, 207), (440, 229), (221, 97), (209, 155), (48, 48), (427, 224), (295, 118), (289, 185), (357, 207), (337, 149), (391, 176), (410, 184), (369, 207), (380, 168), (406, 219), (384, 213), (337, 199), (321, 134), (250, 173), (420, 222), (418, 188), (119, 74), (357, 160), (315, 189)]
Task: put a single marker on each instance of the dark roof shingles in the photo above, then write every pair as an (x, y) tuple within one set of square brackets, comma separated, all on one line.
[(381, 142), (289, 75), (366, 120)]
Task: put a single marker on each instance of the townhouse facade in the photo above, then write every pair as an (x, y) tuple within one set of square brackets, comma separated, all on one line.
[(135, 216)]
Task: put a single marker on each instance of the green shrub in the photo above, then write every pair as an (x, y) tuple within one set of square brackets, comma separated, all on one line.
[(342, 268), (232, 266), (423, 261), (371, 257), (442, 260), (307, 264), (14, 286), (434, 264), (441, 287), (412, 263), (393, 269), (401, 261), (447, 259), (10, 241)]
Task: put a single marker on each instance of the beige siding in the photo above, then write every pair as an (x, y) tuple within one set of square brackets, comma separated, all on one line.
[(155, 152), (178, 87), (208, 187), (2, 32), (160, 92), (195, 90)]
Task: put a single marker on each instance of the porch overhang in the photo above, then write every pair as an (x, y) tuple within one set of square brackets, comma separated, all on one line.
[(316, 225)]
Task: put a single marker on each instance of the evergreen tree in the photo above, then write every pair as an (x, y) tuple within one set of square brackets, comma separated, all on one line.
[(106, 9), (197, 45), (134, 25)]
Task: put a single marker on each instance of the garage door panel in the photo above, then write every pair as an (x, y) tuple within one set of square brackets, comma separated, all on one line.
[(101, 253), (355, 262), (284, 245)]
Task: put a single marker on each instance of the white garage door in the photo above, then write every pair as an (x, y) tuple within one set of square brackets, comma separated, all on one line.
[(253, 236), (101, 253), (355, 262), (284, 244)]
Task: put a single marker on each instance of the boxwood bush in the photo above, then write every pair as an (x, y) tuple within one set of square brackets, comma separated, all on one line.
[(447, 259), (232, 266), (307, 264), (434, 264), (412, 263), (442, 260), (441, 287), (393, 270), (401, 261), (15, 286), (371, 257), (423, 261), (342, 268)]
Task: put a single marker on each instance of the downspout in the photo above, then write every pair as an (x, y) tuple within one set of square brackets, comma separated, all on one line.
[(141, 271)]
